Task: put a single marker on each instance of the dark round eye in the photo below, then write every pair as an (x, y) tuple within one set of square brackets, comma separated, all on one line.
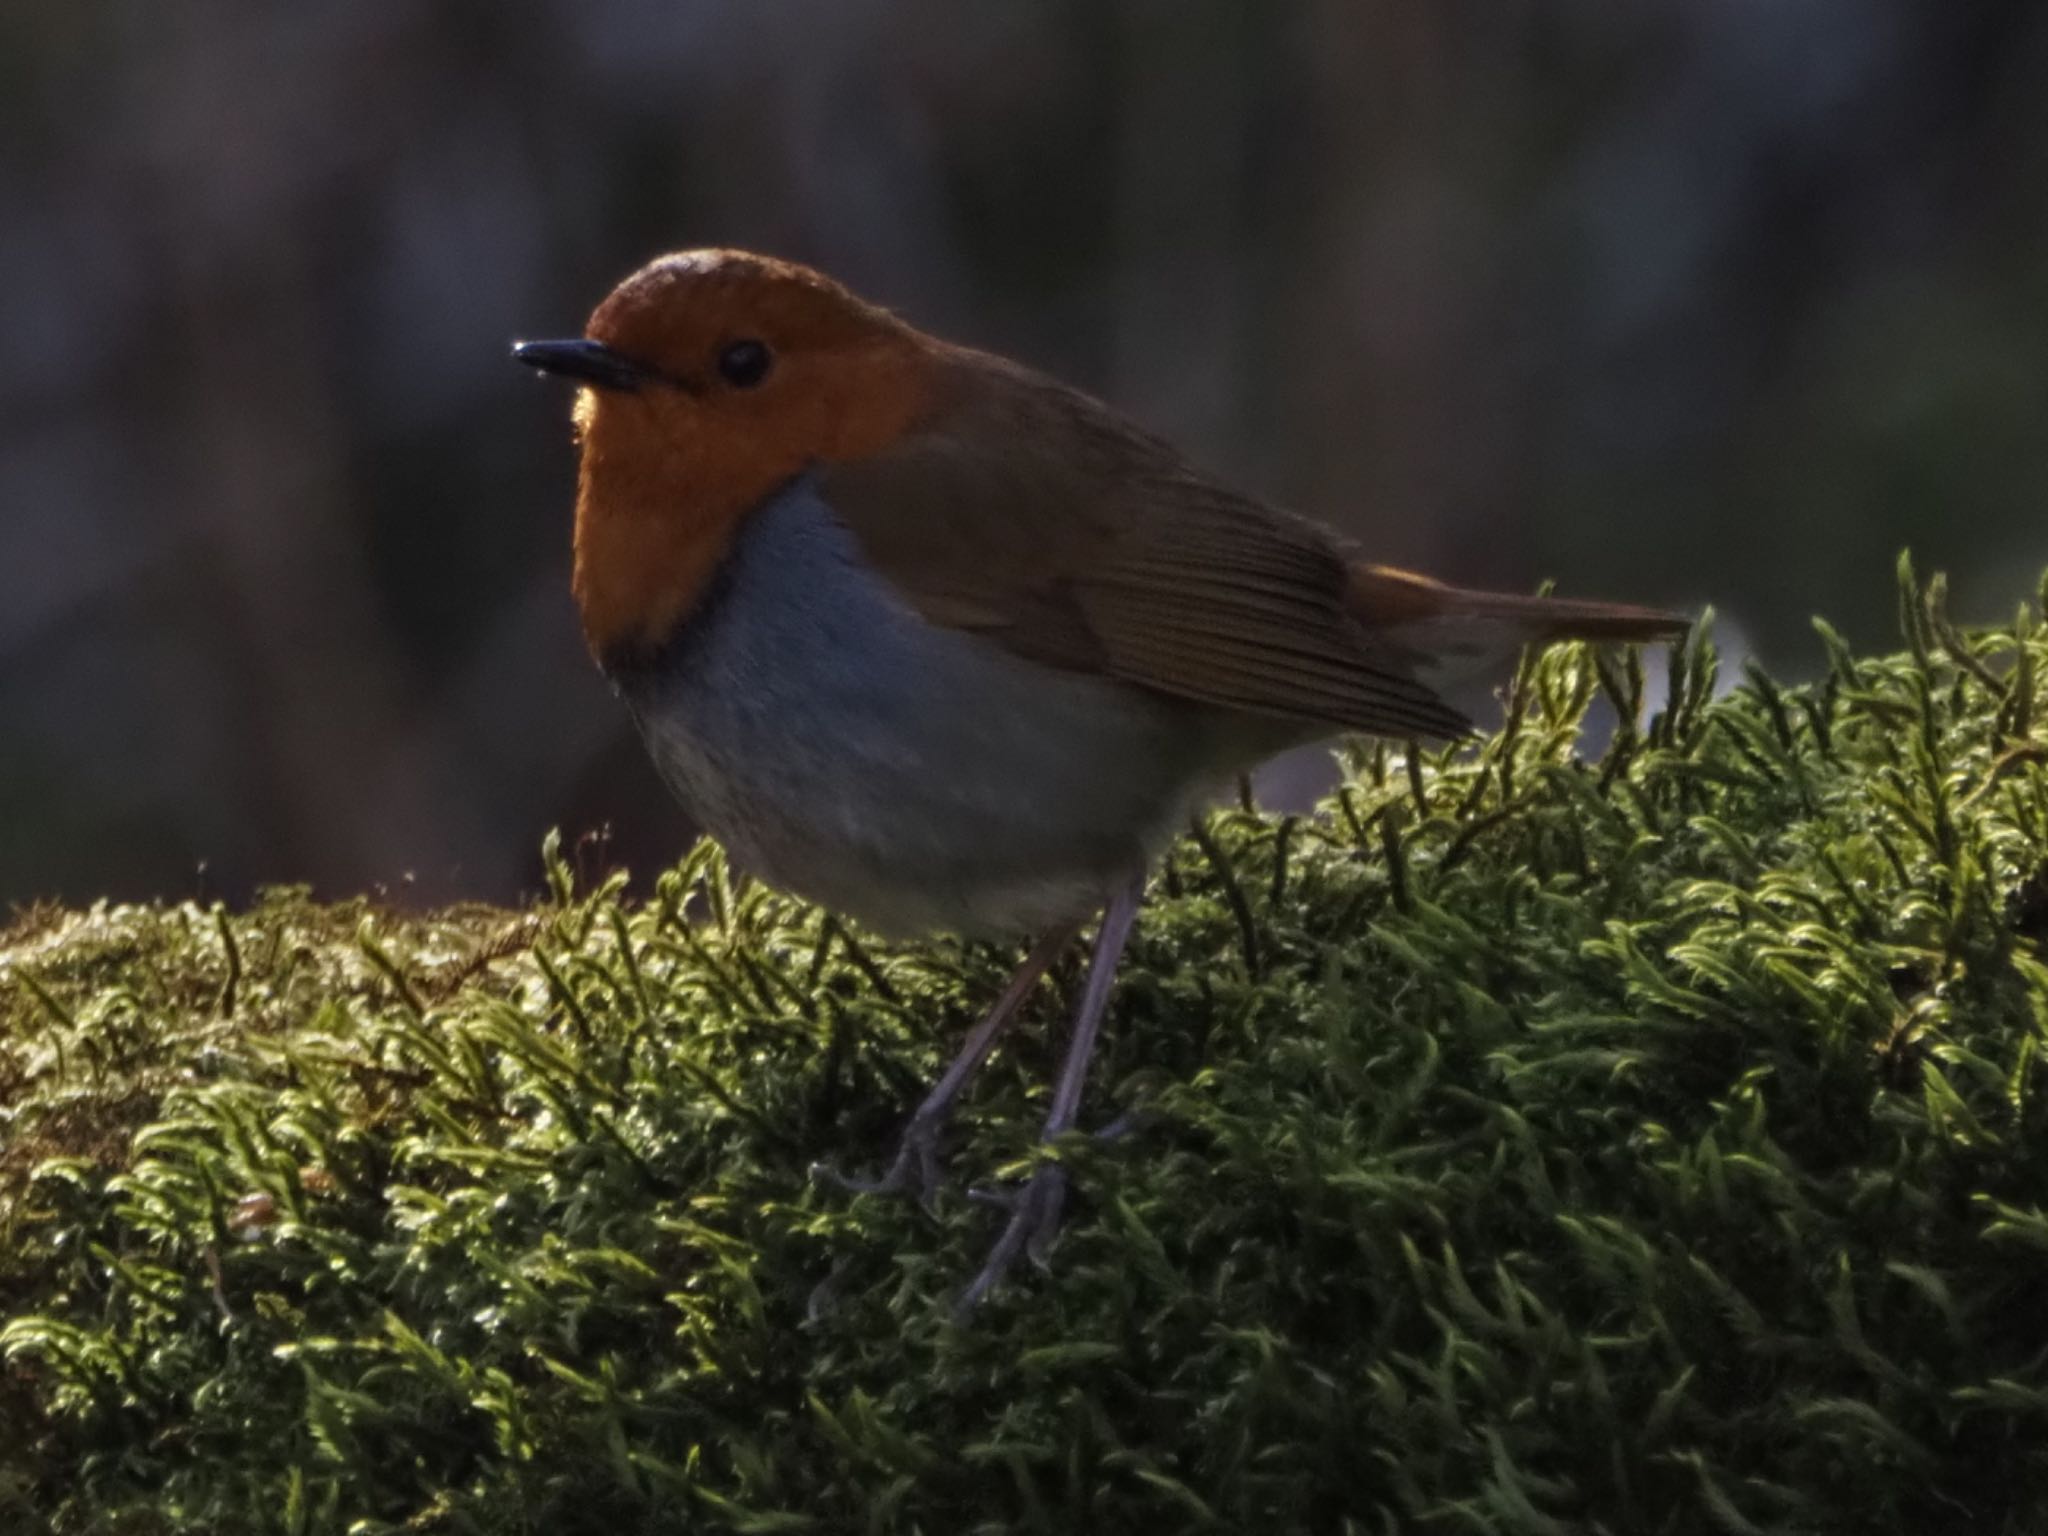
[(743, 364)]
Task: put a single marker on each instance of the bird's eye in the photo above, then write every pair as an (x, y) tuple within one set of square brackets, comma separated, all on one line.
[(743, 364)]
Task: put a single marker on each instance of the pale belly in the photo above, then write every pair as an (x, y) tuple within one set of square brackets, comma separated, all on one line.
[(914, 777)]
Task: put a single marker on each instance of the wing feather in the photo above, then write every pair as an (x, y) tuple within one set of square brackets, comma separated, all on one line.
[(1036, 516)]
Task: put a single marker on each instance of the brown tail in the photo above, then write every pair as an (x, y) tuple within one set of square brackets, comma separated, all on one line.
[(1453, 632), (1569, 618)]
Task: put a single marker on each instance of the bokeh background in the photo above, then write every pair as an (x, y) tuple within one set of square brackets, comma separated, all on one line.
[(1666, 300)]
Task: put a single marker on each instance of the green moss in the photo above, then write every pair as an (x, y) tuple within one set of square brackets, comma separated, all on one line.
[(1652, 1144)]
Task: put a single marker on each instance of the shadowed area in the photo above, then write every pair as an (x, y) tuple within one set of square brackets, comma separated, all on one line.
[(1667, 303)]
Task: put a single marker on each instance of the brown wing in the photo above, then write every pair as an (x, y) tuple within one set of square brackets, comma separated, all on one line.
[(1091, 545)]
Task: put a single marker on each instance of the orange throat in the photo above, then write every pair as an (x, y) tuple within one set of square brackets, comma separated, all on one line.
[(667, 483), (649, 535)]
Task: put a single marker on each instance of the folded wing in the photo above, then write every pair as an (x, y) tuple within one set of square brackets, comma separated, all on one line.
[(1089, 544)]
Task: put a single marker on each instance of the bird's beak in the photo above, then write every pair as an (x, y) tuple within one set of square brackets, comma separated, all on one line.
[(588, 362)]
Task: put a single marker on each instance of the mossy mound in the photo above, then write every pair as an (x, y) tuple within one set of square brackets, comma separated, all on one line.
[(1651, 1144)]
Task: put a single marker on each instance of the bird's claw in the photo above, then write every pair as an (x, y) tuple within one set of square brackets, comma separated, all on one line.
[(1034, 1221), (1034, 1208), (914, 1171)]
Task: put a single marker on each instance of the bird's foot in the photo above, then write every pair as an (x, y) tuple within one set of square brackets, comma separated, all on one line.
[(1034, 1220), (914, 1171), (1034, 1209)]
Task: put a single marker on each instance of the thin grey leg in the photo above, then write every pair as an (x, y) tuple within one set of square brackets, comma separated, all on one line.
[(1035, 1209), (916, 1167)]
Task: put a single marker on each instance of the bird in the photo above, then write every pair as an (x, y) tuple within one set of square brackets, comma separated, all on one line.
[(943, 644)]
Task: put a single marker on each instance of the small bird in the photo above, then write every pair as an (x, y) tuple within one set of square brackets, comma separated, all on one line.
[(943, 644)]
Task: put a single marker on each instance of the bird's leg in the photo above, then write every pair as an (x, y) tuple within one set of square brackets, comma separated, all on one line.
[(916, 1167), (1035, 1209)]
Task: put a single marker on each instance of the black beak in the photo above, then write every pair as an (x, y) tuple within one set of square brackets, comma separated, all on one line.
[(588, 362)]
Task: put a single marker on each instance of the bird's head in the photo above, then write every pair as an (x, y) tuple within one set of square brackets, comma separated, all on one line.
[(710, 379)]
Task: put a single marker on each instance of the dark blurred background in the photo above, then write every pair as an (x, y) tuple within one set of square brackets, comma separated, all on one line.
[(1669, 301)]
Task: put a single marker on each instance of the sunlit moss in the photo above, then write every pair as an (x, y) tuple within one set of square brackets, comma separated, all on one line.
[(1652, 1143)]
